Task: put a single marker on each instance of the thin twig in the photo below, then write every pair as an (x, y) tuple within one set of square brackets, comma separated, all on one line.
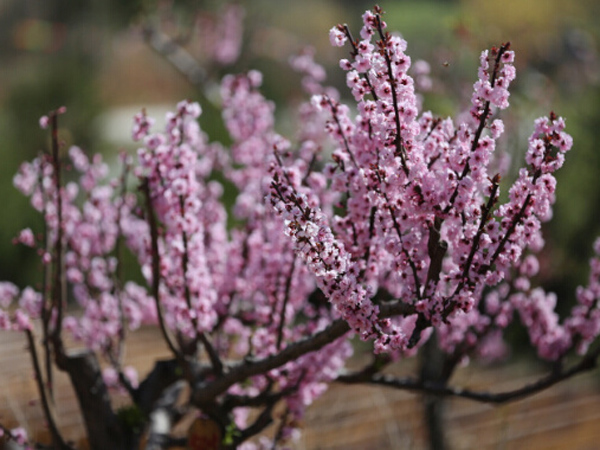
[(399, 144), (46, 304), (118, 278), (482, 121), (288, 285), (59, 282), (177, 55), (156, 267), (57, 440)]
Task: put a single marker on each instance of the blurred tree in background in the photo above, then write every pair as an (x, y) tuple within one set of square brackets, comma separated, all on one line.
[(92, 57)]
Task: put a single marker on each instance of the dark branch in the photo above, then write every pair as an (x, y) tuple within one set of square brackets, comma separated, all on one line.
[(156, 265), (206, 391), (59, 293), (57, 439), (178, 56), (589, 362)]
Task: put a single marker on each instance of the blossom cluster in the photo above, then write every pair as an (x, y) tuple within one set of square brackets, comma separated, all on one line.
[(91, 217), (418, 210), (376, 213), (242, 288)]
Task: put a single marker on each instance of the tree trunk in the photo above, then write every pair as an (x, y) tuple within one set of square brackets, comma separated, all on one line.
[(103, 429), (434, 419), (434, 370)]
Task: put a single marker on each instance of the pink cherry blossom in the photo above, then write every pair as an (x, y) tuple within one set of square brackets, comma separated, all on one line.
[(375, 219)]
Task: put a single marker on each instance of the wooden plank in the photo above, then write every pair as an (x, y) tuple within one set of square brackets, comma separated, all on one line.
[(353, 417)]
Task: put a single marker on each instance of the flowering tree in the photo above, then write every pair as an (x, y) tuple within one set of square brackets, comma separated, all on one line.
[(379, 221)]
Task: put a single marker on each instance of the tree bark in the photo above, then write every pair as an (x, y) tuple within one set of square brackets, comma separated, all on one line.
[(433, 370), (103, 429)]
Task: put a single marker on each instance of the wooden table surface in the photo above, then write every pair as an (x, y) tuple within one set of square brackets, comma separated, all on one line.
[(566, 416)]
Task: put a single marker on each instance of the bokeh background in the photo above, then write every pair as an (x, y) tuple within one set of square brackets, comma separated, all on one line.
[(93, 56)]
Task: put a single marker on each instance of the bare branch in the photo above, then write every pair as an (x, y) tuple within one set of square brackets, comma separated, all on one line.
[(288, 285), (178, 56), (59, 287), (57, 439), (589, 362), (206, 391), (156, 267)]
